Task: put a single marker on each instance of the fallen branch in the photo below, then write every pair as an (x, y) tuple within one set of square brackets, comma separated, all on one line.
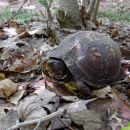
[(16, 12), (38, 124), (42, 119)]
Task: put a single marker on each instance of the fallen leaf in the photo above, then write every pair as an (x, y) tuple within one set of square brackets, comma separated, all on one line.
[(81, 115), (15, 98), (103, 92), (2, 76), (22, 32), (122, 104), (8, 119), (37, 106), (7, 88)]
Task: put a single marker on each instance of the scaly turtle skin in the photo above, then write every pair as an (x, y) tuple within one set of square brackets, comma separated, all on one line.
[(89, 57)]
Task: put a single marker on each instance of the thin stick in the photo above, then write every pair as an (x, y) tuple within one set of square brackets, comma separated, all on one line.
[(16, 12), (38, 124), (43, 119)]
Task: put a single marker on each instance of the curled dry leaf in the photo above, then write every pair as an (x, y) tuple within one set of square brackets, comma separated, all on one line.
[(114, 33), (122, 104), (22, 32), (36, 106), (17, 58), (100, 113), (81, 115), (125, 52), (12, 23), (2, 76), (3, 35), (59, 123), (70, 98), (7, 88), (103, 92), (15, 98), (8, 119), (38, 29)]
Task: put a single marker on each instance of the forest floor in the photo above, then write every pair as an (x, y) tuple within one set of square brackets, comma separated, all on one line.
[(23, 48), (109, 5)]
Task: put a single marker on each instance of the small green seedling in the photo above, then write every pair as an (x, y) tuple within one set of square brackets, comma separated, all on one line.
[(126, 128)]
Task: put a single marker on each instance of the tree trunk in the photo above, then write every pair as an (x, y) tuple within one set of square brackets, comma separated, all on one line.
[(70, 15), (85, 3), (91, 7), (95, 11)]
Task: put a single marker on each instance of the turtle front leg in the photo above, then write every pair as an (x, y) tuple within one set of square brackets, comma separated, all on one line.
[(84, 89)]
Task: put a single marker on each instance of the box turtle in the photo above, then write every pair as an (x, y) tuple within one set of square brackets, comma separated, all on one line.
[(91, 58)]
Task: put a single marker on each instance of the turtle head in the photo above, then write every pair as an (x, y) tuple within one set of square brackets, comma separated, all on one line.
[(56, 69)]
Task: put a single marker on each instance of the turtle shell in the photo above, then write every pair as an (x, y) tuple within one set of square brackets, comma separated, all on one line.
[(90, 56)]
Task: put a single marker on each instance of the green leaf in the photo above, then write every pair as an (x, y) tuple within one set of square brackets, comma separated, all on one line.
[(126, 128), (44, 3), (50, 1)]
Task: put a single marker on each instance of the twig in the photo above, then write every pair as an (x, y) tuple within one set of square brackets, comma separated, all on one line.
[(41, 13), (121, 81), (16, 12), (43, 119), (49, 15), (38, 124), (126, 118), (17, 36)]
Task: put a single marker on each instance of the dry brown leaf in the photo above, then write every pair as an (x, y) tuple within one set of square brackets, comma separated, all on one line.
[(2, 76), (36, 106), (7, 88), (37, 28), (103, 92), (115, 121), (125, 52), (8, 119), (2, 33), (114, 33), (12, 23), (108, 113), (122, 104), (15, 98), (18, 57), (22, 32), (81, 115)]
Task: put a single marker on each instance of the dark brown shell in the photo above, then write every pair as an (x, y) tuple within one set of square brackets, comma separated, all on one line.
[(91, 56)]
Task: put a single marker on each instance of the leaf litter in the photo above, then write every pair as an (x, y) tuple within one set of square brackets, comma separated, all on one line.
[(23, 86)]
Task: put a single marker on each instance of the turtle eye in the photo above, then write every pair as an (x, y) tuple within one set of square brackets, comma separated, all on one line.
[(56, 69)]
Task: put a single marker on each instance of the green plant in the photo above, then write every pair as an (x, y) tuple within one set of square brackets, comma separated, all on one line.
[(126, 128), (23, 16), (45, 3), (6, 13), (114, 15)]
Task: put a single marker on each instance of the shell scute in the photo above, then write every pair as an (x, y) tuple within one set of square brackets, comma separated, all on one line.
[(91, 56)]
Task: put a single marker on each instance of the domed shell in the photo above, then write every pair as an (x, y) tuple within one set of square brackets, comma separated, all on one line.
[(90, 56)]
